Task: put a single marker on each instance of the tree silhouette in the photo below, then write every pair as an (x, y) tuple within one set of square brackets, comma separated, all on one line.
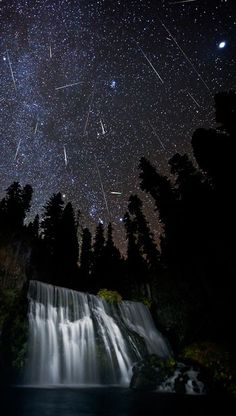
[(14, 207), (98, 257), (113, 265), (225, 107), (51, 234), (197, 211), (33, 228), (166, 201), (215, 152), (193, 199), (215, 149), (67, 246), (135, 263), (86, 259), (159, 187), (51, 220), (145, 237)]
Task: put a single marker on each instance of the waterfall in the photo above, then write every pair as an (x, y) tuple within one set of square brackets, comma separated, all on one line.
[(78, 338)]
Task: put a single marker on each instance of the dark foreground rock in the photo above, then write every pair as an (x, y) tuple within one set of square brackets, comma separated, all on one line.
[(168, 375)]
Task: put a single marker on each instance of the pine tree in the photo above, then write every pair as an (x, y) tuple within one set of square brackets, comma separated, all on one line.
[(113, 265), (225, 111), (98, 257), (215, 149), (14, 207), (51, 221), (86, 259), (135, 263), (160, 188), (68, 248), (99, 242), (51, 238), (26, 196), (194, 203), (69, 234), (167, 205), (33, 227), (145, 237)]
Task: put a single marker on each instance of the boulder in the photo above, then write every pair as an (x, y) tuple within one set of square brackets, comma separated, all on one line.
[(167, 375)]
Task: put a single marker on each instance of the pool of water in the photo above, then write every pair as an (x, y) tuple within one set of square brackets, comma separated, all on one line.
[(110, 401)]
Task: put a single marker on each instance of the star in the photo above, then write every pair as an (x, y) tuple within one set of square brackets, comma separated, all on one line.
[(113, 84), (90, 87), (222, 44)]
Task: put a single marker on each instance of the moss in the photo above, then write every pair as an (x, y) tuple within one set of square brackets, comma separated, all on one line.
[(110, 296), (155, 361), (143, 299)]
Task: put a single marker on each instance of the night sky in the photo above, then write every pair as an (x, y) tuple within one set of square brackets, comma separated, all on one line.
[(88, 87)]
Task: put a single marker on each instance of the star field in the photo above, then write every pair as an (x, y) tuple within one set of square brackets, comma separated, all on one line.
[(88, 87)]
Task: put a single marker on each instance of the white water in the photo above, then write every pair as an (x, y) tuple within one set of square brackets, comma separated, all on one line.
[(77, 338), (192, 384)]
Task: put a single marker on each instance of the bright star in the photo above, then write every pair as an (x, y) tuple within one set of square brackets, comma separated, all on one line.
[(222, 44), (113, 84)]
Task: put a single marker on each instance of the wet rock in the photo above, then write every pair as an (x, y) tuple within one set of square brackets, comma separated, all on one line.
[(167, 375), (150, 372)]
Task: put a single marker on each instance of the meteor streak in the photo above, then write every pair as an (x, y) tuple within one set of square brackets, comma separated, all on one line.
[(183, 1), (50, 51), (65, 155), (195, 101), (155, 133), (12, 74), (36, 127), (116, 193), (184, 54), (102, 126), (148, 60), (17, 150), (68, 85), (102, 188)]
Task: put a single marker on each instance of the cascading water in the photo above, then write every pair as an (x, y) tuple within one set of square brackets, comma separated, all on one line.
[(77, 338)]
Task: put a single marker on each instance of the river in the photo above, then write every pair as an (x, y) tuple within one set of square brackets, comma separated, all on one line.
[(107, 401)]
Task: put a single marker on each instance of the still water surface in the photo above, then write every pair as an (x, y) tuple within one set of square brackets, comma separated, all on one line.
[(112, 401)]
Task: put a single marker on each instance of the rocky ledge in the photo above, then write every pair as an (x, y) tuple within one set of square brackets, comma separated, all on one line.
[(168, 375)]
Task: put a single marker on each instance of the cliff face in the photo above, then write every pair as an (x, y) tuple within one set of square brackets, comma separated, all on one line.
[(14, 263), (13, 333)]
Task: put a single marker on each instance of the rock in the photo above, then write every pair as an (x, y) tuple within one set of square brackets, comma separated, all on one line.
[(150, 372), (166, 375)]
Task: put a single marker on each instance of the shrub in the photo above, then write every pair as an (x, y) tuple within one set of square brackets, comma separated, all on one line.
[(143, 299), (110, 296)]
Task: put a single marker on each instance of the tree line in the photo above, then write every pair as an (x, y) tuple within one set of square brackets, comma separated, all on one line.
[(56, 256), (194, 265)]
